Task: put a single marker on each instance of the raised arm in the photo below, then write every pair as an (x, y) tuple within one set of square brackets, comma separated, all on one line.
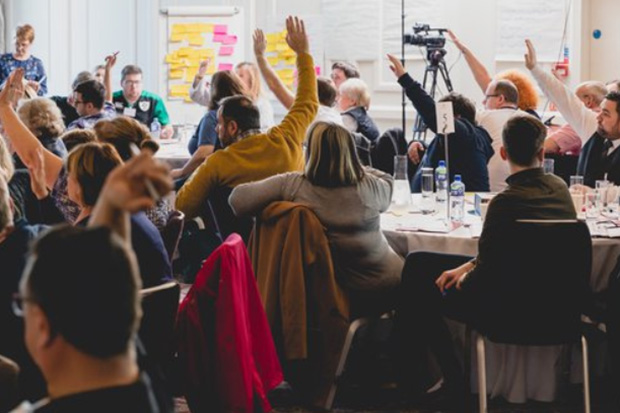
[(22, 140), (481, 75), (199, 90), (110, 61), (282, 93), (306, 104), (253, 197), (125, 192), (582, 119)]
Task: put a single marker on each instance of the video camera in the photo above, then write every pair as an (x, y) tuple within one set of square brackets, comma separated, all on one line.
[(422, 37)]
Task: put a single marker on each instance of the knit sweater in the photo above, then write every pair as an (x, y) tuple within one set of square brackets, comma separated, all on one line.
[(257, 156)]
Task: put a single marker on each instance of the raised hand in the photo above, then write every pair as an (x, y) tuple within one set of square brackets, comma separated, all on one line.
[(396, 66), (38, 179), (530, 56), (202, 69), (260, 43), (459, 45), (13, 89), (296, 36), (110, 61)]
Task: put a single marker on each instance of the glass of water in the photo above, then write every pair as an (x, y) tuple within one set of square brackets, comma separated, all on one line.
[(428, 199), (592, 204), (576, 180), (548, 165), (401, 196)]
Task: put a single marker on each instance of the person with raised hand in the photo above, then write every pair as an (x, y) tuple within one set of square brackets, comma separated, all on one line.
[(250, 154), (470, 145)]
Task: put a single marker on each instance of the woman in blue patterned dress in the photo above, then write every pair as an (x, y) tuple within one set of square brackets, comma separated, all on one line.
[(34, 72)]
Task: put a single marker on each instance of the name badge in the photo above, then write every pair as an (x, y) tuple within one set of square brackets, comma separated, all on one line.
[(131, 112)]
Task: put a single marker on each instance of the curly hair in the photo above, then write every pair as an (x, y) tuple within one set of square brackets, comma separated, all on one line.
[(42, 117), (121, 131), (528, 96)]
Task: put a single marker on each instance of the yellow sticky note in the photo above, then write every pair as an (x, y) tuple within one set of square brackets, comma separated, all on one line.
[(172, 58), (175, 74), (187, 99), (211, 69), (205, 27), (177, 37), (273, 37), (290, 60), (184, 52), (273, 61), (179, 90), (197, 40), (286, 73), (177, 66), (281, 47), (179, 28)]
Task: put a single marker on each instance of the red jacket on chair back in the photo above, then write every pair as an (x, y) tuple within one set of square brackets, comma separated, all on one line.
[(227, 355)]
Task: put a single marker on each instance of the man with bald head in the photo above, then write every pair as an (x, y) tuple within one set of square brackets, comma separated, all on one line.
[(500, 105), (566, 140)]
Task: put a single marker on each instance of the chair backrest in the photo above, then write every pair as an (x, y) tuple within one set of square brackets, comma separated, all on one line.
[(392, 142), (536, 284), (159, 308), (171, 233), (224, 221)]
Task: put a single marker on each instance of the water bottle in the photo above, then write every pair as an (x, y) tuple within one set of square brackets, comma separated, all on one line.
[(441, 182), (155, 128), (457, 200)]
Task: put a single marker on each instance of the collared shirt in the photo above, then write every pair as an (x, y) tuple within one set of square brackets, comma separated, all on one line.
[(87, 122), (148, 107)]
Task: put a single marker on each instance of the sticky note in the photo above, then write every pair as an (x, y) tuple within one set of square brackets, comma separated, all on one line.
[(273, 37), (177, 37), (286, 73), (273, 61), (271, 47), (184, 52), (219, 38), (205, 27), (179, 28), (189, 75), (224, 66), (211, 69), (226, 50), (179, 90), (220, 29), (317, 70), (175, 74), (196, 40), (172, 58), (230, 39), (290, 60), (187, 99), (281, 47)]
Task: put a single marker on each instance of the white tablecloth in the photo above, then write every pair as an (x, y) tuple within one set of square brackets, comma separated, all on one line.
[(513, 372), (174, 153)]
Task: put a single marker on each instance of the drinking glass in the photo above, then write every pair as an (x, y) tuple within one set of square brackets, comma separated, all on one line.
[(576, 180), (548, 165), (428, 200), (592, 204), (578, 197), (401, 196)]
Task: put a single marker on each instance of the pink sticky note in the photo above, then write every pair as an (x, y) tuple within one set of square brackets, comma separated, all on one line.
[(224, 66), (219, 38), (230, 39), (226, 50), (220, 29), (317, 69)]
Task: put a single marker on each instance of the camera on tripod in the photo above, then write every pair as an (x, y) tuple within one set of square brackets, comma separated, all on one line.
[(421, 36)]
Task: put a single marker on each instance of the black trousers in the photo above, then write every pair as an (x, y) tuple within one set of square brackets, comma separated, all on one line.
[(419, 322)]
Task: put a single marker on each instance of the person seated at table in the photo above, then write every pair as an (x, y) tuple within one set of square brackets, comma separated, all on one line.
[(250, 154), (43, 118), (348, 199), (65, 103), (353, 102), (123, 132), (326, 89), (469, 146), (342, 71), (528, 95), (202, 144), (34, 72), (139, 104), (457, 292), (80, 303), (76, 137), (566, 140), (90, 104)]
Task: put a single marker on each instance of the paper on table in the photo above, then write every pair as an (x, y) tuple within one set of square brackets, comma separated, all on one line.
[(226, 50), (224, 66)]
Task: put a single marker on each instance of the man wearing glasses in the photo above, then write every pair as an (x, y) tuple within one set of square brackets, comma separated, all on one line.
[(139, 104), (89, 103), (500, 104)]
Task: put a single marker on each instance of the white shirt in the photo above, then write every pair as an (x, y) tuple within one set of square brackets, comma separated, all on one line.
[(580, 118), (493, 122), (328, 114)]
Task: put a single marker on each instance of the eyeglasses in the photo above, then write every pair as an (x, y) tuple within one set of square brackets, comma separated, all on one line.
[(490, 96), (18, 304), (133, 82)]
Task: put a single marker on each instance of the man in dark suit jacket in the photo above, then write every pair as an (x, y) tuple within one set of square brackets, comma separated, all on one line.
[(454, 286), (599, 158)]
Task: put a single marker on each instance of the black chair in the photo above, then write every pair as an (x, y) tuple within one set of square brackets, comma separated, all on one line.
[(535, 299), (171, 233), (221, 219), (159, 308), (392, 142)]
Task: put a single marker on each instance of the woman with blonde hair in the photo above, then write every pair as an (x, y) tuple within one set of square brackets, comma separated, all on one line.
[(250, 76), (34, 72), (354, 101), (44, 119), (348, 199)]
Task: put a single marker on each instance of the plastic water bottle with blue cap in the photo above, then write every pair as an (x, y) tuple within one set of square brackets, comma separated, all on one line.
[(457, 200), (155, 129), (441, 182)]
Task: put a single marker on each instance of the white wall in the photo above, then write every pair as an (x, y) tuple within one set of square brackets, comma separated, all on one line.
[(75, 35)]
